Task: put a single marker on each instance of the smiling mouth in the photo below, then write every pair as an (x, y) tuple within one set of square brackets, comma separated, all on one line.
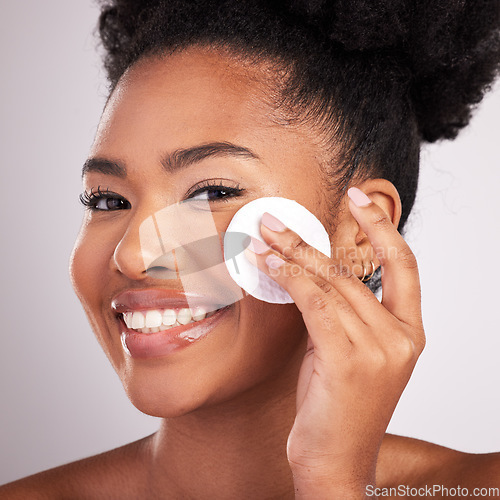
[(159, 341), (157, 320)]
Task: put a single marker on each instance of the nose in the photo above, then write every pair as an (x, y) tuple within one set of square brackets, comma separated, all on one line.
[(139, 246), (175, 240)]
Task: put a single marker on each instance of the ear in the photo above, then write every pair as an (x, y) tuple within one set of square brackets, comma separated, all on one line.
[(349, 243)]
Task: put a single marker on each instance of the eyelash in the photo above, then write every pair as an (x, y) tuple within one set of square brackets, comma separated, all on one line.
[(90, 200), (207, 186)]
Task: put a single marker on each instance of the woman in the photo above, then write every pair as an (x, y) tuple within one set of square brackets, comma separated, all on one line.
[(333, 102)]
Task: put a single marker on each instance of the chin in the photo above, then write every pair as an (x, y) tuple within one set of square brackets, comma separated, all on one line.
[(164, 401), (162, 409), (173, 394)]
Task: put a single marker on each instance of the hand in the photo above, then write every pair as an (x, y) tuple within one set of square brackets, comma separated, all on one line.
[(360, 352)]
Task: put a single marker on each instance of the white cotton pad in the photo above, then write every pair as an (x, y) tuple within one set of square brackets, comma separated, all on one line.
[(246, 221)]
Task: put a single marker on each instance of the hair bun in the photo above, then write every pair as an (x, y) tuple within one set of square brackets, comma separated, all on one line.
[(448, 51), (451, 47), (358, 25)]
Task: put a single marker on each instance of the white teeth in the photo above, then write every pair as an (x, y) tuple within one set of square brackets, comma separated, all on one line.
[(169, 317), (127, 317), (184, 316), (153, 319), (198, 313), (137, 320)]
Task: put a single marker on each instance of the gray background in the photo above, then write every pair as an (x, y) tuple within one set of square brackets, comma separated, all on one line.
[(60, 399)]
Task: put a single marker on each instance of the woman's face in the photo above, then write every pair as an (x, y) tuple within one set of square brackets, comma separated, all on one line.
[(160, 106)]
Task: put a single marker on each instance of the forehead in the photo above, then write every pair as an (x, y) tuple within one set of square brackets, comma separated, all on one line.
[(193, 95)]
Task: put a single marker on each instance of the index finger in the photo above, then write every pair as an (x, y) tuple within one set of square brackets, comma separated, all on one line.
[(400, 278)]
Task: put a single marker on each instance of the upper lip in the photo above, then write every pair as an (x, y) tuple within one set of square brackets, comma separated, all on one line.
[(135, 300)]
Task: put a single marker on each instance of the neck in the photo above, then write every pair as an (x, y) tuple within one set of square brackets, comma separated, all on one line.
[(232, 450)]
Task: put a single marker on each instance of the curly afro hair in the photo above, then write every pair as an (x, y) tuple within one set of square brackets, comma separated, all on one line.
[(377, 78)]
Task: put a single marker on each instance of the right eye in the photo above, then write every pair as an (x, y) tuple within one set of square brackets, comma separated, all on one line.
[(103, 200)]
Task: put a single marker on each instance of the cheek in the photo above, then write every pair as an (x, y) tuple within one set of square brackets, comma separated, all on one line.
[(89, 271), (89, 260), (273, 343), (276, 335)]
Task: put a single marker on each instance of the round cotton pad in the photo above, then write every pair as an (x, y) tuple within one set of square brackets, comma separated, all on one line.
[(246, 221)]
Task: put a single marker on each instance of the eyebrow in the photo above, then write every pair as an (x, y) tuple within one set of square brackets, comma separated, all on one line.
[(174, 161), (104, 166)]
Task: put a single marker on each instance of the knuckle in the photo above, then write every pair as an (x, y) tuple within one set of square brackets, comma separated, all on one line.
[(325, 286), (338, 271), (381, 221), (407, 258), (406, 349), (297, 246), (318, 302), (341, 306), (378, 359)]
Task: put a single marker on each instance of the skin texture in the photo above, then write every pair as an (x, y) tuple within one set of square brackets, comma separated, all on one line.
[(229, 403)]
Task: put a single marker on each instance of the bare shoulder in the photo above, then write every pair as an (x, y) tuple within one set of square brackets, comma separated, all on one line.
[(120, 470), (414, 462)]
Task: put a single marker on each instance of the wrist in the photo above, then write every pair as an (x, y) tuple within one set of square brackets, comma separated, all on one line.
[(311, 484), (328, 490)]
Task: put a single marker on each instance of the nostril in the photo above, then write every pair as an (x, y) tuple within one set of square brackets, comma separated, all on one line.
[(161, 272), (128, 257)]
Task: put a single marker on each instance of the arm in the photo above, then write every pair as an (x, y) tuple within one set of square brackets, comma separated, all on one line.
[(420, 464), (360, 352)]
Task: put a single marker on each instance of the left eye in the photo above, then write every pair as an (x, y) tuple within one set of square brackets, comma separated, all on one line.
[(107, 203), (215, 193), (104, 201)]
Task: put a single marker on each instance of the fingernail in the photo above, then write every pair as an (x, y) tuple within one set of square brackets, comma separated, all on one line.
[(274, 262), (358, 197), (272, 222), (258, 246)]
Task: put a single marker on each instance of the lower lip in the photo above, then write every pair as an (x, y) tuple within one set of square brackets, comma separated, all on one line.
[(153, 345)]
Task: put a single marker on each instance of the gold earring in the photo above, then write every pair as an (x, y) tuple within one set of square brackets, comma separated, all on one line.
[(365, 278)]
